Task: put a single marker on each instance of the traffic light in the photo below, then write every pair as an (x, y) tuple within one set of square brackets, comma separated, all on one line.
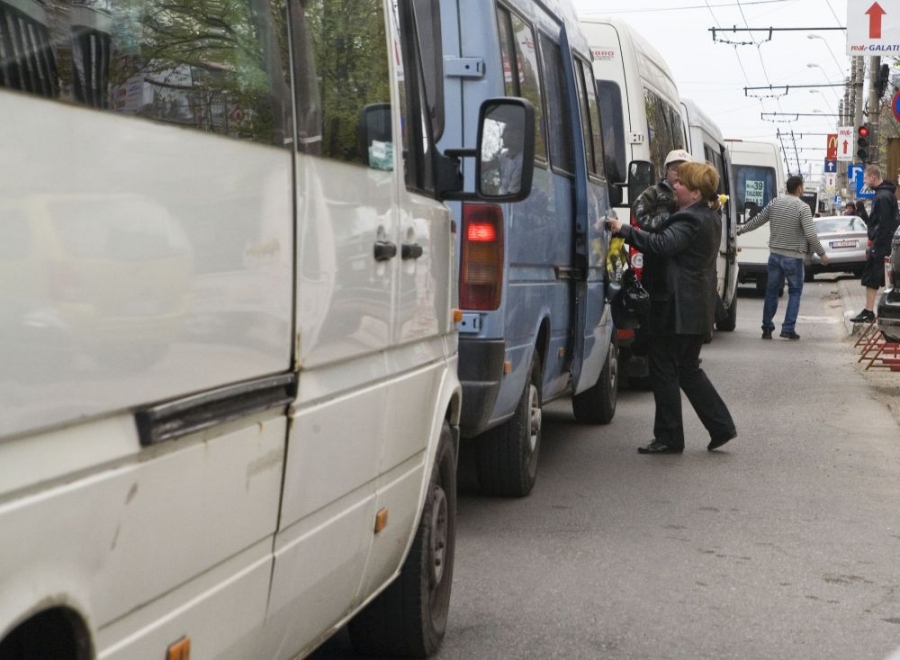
[(862, 143)]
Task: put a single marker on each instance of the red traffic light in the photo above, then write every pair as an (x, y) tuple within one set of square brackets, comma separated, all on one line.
[(863, 131)]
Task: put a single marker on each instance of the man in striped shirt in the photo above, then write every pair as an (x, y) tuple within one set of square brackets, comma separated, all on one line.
[(792, 237)]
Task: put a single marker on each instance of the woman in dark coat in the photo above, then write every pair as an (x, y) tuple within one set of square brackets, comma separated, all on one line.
[(680, 276)]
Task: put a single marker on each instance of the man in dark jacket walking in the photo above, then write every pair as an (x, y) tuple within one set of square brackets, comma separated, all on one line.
[(883, 223)]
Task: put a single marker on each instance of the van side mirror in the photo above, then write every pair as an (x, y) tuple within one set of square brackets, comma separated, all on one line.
[(376, 136), (641, 175), (504, 164)]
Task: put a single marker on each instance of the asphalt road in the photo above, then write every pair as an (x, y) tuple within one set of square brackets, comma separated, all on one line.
[(785, 544)]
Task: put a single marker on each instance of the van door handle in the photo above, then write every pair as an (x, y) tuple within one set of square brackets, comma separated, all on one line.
[(410, 251), (385, 250)]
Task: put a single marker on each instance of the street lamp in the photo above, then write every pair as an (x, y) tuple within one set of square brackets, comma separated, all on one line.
[(813, 65), (831, 52)]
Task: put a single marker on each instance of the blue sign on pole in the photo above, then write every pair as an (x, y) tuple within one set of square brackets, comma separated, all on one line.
[(830, 167), (855, 176)]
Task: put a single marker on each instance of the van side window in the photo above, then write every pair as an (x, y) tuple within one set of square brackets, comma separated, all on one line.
[(590, 118), (428, 25), (416, 120), (341, 62), (715, 159), (666, 132), (558, 107), (517, 45), (613, 123), (211, 66)]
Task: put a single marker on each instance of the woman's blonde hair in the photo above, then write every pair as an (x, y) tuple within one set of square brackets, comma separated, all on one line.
[(702, 177)]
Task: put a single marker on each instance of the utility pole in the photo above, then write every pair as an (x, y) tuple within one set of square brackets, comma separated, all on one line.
[(874, 108)]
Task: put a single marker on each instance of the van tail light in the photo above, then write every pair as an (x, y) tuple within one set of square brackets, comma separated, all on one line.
[(481, 262), (635, 258)]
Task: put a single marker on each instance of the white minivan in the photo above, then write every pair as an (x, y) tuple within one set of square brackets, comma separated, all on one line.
[(758, 179), (640, 111), (706, 144), (229, 405)]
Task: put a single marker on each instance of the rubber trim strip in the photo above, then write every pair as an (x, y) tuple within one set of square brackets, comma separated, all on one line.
[(174, 419)]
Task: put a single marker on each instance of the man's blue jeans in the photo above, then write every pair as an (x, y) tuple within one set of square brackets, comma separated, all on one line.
[(781, 268)]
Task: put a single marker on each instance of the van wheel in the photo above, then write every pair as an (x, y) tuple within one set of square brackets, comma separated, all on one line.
[(729, 323), (409, 618), (597, 405), (507, 456)]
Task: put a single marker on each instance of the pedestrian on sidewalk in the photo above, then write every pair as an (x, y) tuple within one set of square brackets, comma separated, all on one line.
[(882, 224), (791, 236), (681, 280)]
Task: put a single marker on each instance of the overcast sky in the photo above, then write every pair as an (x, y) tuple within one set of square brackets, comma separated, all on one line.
[(714, 74)]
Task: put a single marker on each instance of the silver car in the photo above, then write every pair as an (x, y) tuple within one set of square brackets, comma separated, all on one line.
[(845, 239)]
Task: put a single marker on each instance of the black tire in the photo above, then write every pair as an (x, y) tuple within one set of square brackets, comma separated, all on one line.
[(409, 618), (729, 323), (507, 456), (808, 275), (597, 404)]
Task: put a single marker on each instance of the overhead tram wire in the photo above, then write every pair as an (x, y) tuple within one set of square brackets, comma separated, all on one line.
[(762, 63), (736, 54), (608, 12)]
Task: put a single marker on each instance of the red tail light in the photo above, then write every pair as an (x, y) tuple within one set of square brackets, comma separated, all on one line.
[(481, 263)]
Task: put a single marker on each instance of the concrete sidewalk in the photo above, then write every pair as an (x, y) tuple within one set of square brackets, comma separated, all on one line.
[(853, 300)]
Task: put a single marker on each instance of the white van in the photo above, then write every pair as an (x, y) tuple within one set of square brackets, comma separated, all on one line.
[(706, 144), (758, 179), (229, 404), (639, 103), (640, 112)]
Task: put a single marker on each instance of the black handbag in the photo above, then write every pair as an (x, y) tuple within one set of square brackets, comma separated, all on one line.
[(632, 304)]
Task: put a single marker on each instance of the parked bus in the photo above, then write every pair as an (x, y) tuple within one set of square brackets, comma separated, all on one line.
[(641, 113), (230, 407), (535, 324), (706, 144), (759, 178)]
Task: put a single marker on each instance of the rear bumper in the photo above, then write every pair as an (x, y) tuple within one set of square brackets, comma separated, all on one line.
[(752, 272), (480, 374)]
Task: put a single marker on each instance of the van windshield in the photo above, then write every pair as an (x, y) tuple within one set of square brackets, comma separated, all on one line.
[(755, 185)]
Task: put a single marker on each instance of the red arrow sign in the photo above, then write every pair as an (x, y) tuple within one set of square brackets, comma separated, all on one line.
[(845, 146), (875, 13)]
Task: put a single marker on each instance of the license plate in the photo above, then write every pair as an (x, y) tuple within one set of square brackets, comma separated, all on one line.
[(843, 244)]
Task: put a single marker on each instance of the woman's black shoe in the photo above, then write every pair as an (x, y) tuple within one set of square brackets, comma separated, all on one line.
[(659, 447), (715, 444)]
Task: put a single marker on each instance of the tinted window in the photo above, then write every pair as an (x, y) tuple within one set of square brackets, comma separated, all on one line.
[(428, 22), (558, 107), (415, 119), (755, 185), (596, 139), (202, 64), (665, 129), (343, 64), (610, 97), (517, 43)]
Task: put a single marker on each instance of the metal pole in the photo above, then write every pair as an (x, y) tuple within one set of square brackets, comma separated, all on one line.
[(874, 108)]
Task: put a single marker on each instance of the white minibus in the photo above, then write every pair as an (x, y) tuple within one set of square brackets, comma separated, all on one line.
[(758, 179), (640, 112), (229, 403), (706, 144)]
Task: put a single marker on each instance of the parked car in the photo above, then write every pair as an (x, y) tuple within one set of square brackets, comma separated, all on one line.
[(845, 239), (889, 304)]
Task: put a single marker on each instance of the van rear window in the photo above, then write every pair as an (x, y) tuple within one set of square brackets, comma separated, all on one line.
[(754, 185)]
